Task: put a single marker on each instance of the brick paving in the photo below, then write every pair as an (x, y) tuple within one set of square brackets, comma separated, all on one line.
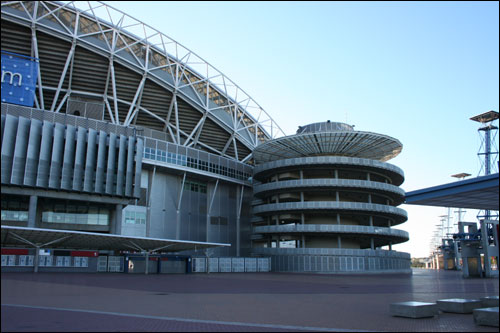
[(244, 302)]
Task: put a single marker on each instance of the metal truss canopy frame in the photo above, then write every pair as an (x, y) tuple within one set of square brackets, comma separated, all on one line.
[(69, 239)]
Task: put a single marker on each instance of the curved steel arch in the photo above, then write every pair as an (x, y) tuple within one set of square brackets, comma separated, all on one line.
[(145, 50)]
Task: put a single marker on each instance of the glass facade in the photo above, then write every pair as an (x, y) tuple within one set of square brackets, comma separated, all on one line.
[(74, 212), (15, 208), (134, 217), (190, 185), (190, 162)]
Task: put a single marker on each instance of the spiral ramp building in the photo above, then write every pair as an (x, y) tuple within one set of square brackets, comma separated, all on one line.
[(130, 133), (325, 200)]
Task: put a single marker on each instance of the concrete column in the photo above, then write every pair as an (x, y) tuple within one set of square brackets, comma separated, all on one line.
[(336, 174), (368, 176), (337, 197), (147, 263), (390, 246), (369, 198), (117, 221), (371, 221), (372, 244), (339, 242), (303, 242), (301, 196), (302, 218), (37, 259), (301, 174), (338, 218), (32, 211)]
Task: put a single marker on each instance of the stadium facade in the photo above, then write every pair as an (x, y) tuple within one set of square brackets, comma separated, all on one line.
[(109, 126)]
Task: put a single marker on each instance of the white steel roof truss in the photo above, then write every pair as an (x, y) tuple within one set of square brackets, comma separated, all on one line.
[(25, 9), (126, 122), (163, 42), (69, 59), (51, 13)]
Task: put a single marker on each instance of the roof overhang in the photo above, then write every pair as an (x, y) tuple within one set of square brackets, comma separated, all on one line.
[(329, 143), (24, 237), (476, 193)]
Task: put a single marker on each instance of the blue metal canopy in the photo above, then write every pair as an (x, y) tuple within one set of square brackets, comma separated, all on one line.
[(476, 193)]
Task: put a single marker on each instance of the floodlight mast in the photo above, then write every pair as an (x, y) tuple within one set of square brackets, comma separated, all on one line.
[(490, 148)]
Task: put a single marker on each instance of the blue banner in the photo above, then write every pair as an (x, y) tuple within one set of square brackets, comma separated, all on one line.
[(19, 75)]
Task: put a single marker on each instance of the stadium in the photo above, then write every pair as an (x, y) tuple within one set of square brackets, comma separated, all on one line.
[(120, 143)]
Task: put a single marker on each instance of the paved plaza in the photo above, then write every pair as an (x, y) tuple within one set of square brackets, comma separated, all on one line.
[(233, 302)]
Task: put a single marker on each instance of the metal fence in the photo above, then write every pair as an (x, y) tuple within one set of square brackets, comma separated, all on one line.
[(231, 265)]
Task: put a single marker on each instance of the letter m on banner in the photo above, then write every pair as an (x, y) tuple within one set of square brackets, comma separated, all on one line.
[(19, 75)]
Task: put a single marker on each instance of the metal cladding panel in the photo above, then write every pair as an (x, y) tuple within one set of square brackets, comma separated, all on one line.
[(122, 153), (33, 152), (111, 167), (138, 167), (79, 158), (42, 179), (20, 150), (101, 163), (90, 163), (57, 157), (130, 166), (69, 158), (8, 143), (3, 125)]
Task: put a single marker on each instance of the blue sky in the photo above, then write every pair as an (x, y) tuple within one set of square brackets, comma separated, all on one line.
[(416, 71)]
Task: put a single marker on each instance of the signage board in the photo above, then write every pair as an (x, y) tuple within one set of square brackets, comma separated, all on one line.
[(19, 75)]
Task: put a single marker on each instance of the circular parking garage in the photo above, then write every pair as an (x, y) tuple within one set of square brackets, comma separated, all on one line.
[(325, 200)]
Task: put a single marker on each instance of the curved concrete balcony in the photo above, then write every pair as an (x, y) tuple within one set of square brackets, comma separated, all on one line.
[(266, 189), (332, 252), (399, 236), (396, 174), (397, 214)]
